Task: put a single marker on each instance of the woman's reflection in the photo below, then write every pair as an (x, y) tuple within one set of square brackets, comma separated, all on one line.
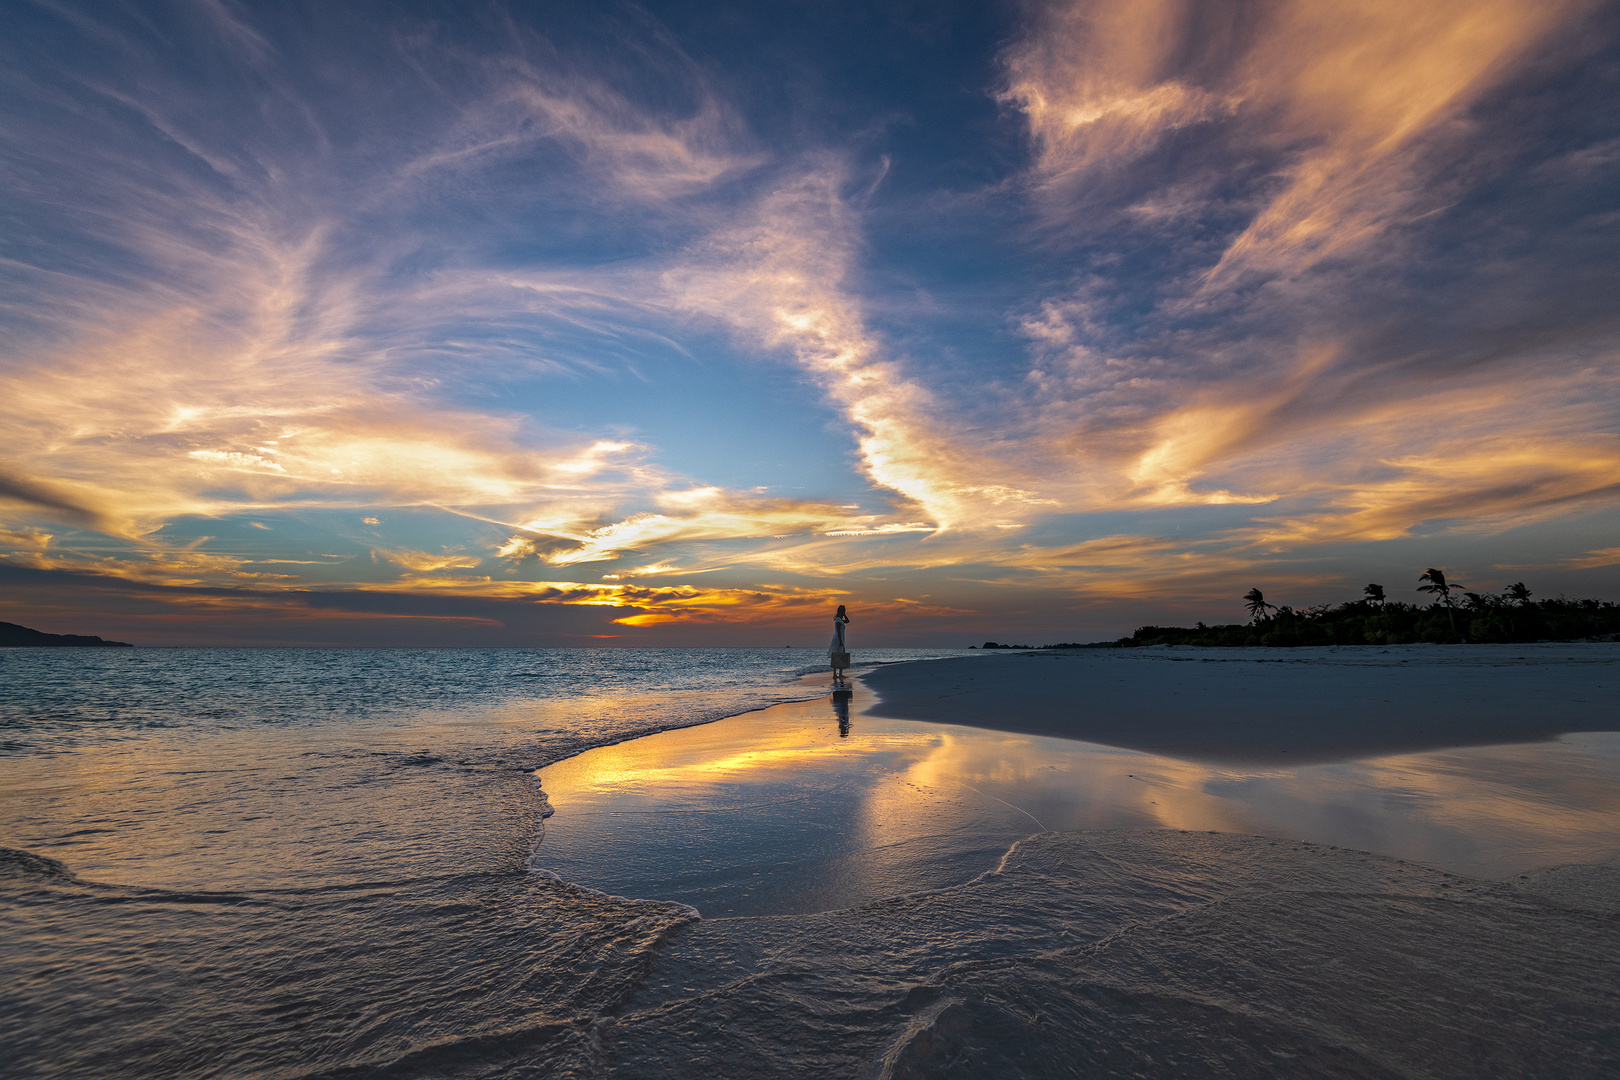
[(841, 710)]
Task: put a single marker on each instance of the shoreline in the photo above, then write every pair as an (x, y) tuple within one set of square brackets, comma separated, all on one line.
[(1113, 945), (1171, 950), (729, 796), (1279, 706), (1157, 951)]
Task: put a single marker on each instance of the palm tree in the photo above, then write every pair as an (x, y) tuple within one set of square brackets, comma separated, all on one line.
[(1438, 584), (1374, 594), (1257, 605), (1520, 596)]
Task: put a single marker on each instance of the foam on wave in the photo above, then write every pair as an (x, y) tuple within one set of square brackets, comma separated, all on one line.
[(1148, 954)]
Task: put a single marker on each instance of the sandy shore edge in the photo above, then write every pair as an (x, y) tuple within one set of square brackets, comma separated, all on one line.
[(1294, 706)]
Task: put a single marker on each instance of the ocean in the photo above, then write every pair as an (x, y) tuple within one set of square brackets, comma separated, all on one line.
[(294, 862), (311, 864)]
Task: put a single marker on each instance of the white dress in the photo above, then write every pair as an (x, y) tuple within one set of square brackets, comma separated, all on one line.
[(837, 645)]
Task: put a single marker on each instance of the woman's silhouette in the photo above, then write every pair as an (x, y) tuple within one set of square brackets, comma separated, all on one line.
[(837, 650)]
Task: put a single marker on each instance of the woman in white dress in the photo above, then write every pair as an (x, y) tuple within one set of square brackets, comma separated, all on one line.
[(838, 651)]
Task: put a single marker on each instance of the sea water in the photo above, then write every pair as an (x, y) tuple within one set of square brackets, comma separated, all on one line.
[(282, 862), (298, 863)]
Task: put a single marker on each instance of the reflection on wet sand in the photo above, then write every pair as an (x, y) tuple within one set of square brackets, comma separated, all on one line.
[(772, 812), (840, 704)]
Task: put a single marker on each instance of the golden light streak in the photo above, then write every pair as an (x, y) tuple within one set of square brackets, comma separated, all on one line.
[(656, 603), (1593, 559), (1352, 87), (1364, 81), (252, 376), (25, 540), (1349, 96), (424, 561), (1091, 78), (781, 280), (135, 431)]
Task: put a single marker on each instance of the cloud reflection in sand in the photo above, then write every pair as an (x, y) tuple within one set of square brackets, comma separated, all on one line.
[(778, 811)]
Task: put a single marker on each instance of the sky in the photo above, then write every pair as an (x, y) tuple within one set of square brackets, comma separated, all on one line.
[(666, 324)]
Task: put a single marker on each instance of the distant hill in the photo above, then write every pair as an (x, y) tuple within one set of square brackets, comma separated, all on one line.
[(11, 635)]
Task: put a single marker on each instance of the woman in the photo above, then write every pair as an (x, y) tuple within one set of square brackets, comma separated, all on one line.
[(838, 651)]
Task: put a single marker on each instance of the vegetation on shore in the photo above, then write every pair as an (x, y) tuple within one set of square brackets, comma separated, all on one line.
[(1455, 615)]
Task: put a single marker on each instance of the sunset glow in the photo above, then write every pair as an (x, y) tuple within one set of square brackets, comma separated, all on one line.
[(410, 323)]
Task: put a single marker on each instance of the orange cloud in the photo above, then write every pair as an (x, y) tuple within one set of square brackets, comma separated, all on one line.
[(1361, 84), (262, 365), (26, 540), (424, 561), (1351, 89), (781, 279), (693, 514), (1094, 82), (654, 604)]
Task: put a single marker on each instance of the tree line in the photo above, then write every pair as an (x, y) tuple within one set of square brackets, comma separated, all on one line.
[(1454, 614)]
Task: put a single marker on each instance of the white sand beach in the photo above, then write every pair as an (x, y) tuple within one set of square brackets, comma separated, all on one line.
[(1276, 705)]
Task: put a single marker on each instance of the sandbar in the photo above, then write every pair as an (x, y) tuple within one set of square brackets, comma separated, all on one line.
[(1290, 706)]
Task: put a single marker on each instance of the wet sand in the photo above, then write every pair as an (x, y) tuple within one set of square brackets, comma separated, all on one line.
[(1147, 954), (826, 804), (876, 902)]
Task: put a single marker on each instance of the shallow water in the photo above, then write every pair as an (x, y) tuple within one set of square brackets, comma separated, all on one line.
[(1147, 954), (278, 862), (236, 768), (786, 811)]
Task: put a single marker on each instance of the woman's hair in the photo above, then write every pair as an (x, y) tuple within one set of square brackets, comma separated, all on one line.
[(840, 609)]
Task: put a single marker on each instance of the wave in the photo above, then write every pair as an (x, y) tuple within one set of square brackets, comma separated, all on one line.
[(1126, 953), (1147, 954), (113, 980)]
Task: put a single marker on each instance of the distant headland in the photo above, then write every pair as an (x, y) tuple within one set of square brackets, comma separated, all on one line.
[(12, 635)]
